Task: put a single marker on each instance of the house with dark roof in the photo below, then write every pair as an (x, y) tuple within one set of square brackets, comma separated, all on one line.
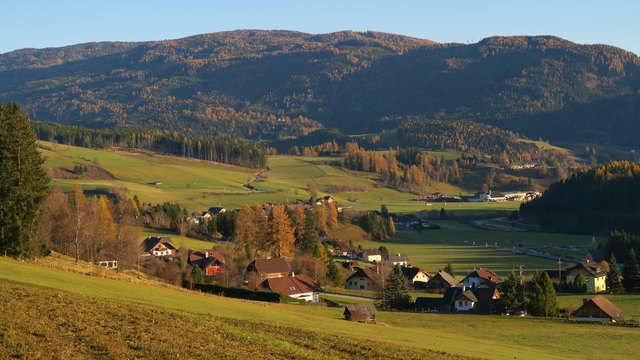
[(443, 304), (211, 262), (595, 274), (482, 300), (269, 268), (482, 277), (416, 277), (440, 282), (598, 308), (363, 279), (365, 312), (215, 210), (299, 286), (398, 259), (157, 246)]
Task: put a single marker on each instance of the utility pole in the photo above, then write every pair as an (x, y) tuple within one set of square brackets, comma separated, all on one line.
[(560, 268)]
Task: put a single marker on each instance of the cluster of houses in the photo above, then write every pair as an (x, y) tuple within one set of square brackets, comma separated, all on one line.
[(494, 196)]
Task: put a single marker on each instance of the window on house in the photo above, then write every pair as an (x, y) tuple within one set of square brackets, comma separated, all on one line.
[(361, 286)]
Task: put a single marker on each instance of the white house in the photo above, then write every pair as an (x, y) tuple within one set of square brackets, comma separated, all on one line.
[(299, 286), (362, 279), (480, 277), (398, 259), (370, 255)]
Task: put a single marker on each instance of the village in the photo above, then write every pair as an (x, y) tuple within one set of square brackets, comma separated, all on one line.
[(363, 272)]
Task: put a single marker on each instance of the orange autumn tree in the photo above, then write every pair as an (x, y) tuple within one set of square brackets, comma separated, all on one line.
[(332, 216), (281, 238)]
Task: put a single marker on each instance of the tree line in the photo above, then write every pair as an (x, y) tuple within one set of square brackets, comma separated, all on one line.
[(223, 150), (597, 200)]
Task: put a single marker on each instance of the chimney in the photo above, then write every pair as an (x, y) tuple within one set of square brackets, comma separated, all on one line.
[(206, 254), (293, 274)]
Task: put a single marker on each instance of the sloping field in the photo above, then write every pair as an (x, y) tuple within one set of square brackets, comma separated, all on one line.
[(304, 330), (199, 185)]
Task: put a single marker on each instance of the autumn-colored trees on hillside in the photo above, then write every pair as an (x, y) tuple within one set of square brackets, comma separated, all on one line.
[(90, 228), (283, 230)]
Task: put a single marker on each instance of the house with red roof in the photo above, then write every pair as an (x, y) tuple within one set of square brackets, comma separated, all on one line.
[(211, 262), (482, 277), (299, 286)]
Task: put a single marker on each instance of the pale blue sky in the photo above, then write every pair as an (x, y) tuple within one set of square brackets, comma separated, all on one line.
[(47, 23)]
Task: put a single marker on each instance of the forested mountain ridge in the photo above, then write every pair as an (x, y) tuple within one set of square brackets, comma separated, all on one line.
[(269, 84)]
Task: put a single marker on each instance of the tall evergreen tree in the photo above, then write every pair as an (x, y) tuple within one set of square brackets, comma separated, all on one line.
[(631, 273), (449, 269), (513, 299), (396, 291), (542, 299), (334, 274), (614, 280), (23, 184), (310, 234)]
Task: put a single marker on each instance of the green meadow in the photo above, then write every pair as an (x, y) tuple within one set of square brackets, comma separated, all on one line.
[(487, 337), (198, 185)]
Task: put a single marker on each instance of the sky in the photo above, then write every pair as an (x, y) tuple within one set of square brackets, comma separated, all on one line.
[(47, 23)]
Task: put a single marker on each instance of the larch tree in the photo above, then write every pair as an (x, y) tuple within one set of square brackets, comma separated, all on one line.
[(332, 216), (281, 238), (79, 216), (245, 230), (320, 214), (23, 184)]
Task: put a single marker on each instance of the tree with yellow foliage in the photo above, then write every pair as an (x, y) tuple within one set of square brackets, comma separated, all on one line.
[(332, 216), (320, 214), (281, 238)]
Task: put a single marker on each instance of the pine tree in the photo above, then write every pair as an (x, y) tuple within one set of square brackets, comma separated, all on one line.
[(449, 269), (23, 184), (542, 299), (631, 273), (197, 274), (443, 214), (334, 274), (614, 281), (513, 299), (396, 291), (310, 234)]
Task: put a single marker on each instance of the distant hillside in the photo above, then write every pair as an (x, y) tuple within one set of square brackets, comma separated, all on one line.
[(271, 84), (595, 201)]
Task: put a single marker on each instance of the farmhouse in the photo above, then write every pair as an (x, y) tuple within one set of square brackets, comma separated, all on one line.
[(211, 262), (299, 286), (479, 300), (440, 282), (416, 277), (326, 200), (599, 308), (269, 268), (365, 312), (370, 255), (157, 246), (362, 279), (215, 210), (482, 276), (594, 273), (398, 259)]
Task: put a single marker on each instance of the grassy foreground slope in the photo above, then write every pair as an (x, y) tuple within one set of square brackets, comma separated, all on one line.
[(491, 337)]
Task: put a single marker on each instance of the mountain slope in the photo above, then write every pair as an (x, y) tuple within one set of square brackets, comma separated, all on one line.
[(268, 84)]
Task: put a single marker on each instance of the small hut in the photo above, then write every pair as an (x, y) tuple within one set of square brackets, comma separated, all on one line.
[(365, 312), (599, 308)]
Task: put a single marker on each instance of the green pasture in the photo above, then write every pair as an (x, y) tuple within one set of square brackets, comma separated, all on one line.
[(489, 337), (466, 248)]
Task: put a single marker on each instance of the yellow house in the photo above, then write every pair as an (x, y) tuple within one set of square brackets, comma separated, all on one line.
[(594, 273)]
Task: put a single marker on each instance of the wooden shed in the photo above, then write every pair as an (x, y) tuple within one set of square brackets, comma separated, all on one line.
[(365, 312), (598, 308)]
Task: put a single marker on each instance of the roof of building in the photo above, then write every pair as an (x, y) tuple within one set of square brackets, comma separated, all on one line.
[(446, 277), (151, 242), (468, 294), (369, 252), (216, 210), (593, 268), (364, 272), (398, 258), (485, 274), (292, 285), (606, 306), (363, 310), (423, 303), (205, 258), (270, 266), (411, 272)]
